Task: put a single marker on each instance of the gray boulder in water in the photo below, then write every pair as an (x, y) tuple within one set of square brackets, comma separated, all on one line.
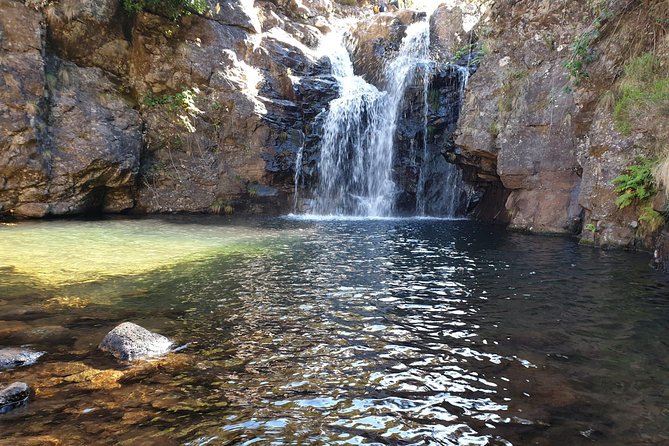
[(17, 357), (129, 342), (13, 396)]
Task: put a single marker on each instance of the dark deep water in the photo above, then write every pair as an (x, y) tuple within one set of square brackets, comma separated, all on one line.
[(380, 332)]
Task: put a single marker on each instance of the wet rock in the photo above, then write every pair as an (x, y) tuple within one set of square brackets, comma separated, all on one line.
[(13, 396), (17, 357), (95, 379), (661, 253), (9, 328), (129, 342), (374, 40), (39, 440), (52, 165), (53, 334), (21, 100), (93, 167)]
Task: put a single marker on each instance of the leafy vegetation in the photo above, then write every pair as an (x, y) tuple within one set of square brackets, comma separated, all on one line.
[(645, 86), (590, 227), (172, 9), (650, 219), (182, 101), (220, 206), (464, 50), (581, 49), (637, 184)]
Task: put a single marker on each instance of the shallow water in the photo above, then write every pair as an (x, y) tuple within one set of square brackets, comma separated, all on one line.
[(382, 332)]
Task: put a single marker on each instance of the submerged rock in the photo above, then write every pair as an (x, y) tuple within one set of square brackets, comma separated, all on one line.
[(129, 342), (13, 396), (17, 357)]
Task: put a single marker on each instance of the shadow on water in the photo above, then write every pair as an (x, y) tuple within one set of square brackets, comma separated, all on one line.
[(339, 332)]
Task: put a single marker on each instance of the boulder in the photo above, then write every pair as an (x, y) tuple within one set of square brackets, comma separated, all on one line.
[(129, 342), (13, 396), (17, 357)]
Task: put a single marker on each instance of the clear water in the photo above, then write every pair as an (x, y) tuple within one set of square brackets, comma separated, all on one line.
[(385, 332)]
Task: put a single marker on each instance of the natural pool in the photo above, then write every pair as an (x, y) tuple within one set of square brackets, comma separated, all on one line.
[(381, 332)]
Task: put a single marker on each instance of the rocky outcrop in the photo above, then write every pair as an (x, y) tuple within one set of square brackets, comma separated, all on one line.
[(202, 114), (448, 36), (538, 120), (130, 342)]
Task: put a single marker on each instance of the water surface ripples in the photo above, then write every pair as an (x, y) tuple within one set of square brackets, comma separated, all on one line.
[(384, 332)]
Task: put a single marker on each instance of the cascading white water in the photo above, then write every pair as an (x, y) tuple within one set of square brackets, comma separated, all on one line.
[(355, 168)]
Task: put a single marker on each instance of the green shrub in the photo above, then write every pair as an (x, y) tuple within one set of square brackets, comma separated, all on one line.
[(172, 9), (581, 49), (650, 219), (590, 227), (183, 101), (637, 184)]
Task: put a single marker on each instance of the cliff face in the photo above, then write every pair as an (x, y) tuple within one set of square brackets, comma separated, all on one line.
[(102, 110), (542, 120)]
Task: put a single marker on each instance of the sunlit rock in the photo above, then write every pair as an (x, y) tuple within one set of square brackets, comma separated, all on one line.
[(17, 357), (129, 342)]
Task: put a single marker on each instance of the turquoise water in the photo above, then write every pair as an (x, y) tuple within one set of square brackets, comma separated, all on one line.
[(333, 332)]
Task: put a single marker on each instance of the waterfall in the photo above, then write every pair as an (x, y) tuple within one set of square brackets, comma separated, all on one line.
[(361, 138), (420, 186), (298, 176), (450, 195), (357, 148)]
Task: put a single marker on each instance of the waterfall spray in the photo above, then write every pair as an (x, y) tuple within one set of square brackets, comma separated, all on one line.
[(357, 149)]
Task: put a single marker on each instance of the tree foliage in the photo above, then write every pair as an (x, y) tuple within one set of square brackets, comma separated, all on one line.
[(172, 9)]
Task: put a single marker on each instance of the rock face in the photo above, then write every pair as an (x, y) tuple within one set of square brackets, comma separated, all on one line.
[(130, 342), (13, 396), (375, 39), (447, 32), (152, 114), (17, 357), (548, 137)]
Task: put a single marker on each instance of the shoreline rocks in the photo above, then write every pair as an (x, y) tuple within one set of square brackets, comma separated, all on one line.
[(130, 342), (18, 357)]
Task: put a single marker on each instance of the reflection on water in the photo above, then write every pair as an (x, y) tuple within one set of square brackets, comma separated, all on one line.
[(336, 332)]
